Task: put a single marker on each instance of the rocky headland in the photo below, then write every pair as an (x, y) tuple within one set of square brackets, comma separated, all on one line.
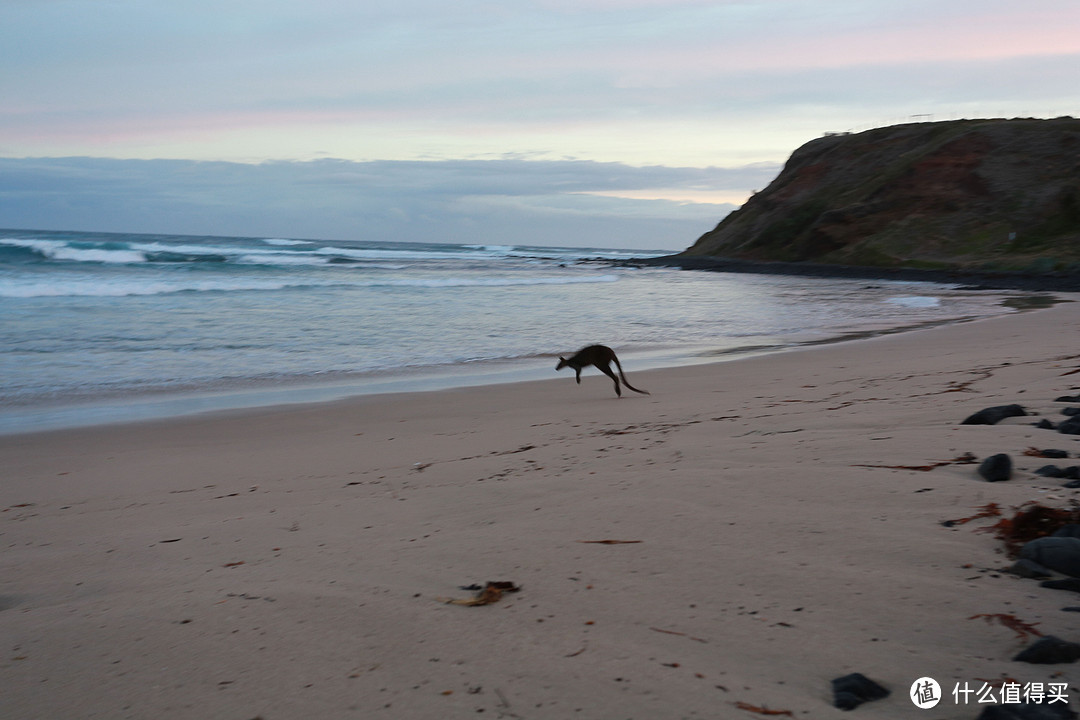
[(995, 201)]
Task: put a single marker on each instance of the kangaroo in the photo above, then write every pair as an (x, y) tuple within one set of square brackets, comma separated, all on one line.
[(600, 356)]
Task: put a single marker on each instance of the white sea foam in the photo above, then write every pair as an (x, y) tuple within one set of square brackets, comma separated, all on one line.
[(452, 282), (100, 287), (95, 287), (61, 250), (281, 259), (915, 301), (284, 241), (283, 251), (388, 254)]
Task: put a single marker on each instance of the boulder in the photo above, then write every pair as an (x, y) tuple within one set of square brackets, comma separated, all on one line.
[(1070, 426), (853, 690), (1060, 554), (994, 415), (996, 468), (1049, 650), (1072, 584)]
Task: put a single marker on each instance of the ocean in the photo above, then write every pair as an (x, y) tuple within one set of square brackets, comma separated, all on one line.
[(103, 327)]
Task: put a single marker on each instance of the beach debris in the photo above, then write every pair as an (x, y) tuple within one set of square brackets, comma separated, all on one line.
[(1049, 650), (762, 710), (996, 468), (1060, 554), (1031, 521), (994, 415), (491, 592), (851, 691), (680, 634), (610, 542), (1018, 626), (985, 511), (965, 459)]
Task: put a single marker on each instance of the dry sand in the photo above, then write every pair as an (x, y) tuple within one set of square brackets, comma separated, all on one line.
[(289, 563)]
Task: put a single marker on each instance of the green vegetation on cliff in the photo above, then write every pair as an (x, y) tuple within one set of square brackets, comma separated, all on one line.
[(998, 195)]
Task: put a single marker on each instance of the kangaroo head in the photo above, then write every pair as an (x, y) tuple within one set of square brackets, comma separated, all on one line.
[(562, 363)]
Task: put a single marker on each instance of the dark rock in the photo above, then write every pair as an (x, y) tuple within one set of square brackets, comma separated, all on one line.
[(1070, 426), (1070, 411), (1053, 471), (1072, 584), (996, 468), (1061, 554), (1045, 424), (1027, 711), (1049, 650), (1056, 454), (1030, 569), (1072, 484), (1071, 608), (1068, 398), (853, 690), (994, 415), (1071, 530)]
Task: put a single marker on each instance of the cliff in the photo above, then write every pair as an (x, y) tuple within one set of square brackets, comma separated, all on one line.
[(965, 195)]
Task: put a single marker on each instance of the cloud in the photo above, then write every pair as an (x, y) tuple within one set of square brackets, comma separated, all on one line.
[(638, 81), (579, 203)]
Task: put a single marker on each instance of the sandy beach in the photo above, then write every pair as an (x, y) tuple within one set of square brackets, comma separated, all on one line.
[(295, 562)]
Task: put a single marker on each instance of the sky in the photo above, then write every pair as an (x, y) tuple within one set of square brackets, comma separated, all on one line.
[(608, 123)]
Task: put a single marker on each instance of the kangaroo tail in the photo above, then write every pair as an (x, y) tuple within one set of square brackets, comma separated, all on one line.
[(623, 376)]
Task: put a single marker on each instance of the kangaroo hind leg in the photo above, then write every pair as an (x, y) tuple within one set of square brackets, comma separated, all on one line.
[(606, 369)]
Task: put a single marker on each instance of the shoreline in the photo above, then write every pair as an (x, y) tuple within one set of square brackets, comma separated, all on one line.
[(978, 280), (741, 537), (131, 407)]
